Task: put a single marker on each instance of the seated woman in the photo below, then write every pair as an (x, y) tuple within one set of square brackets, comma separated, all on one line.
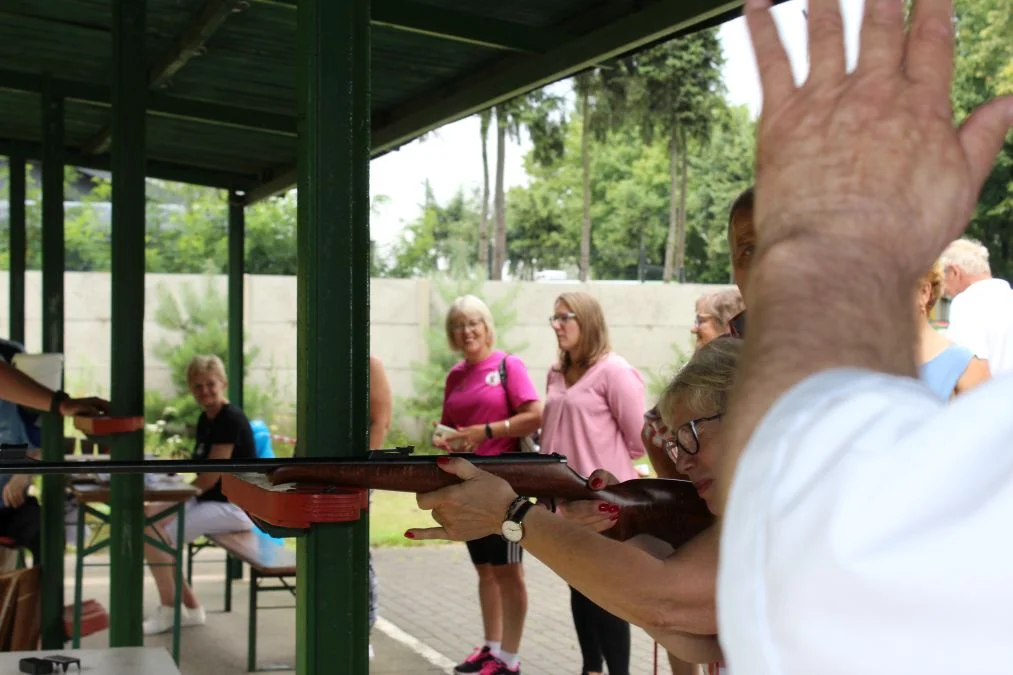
[(671, 594), (223, 432), (947, 368)]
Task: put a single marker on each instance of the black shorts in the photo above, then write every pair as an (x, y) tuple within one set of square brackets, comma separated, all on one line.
[(494, 550)]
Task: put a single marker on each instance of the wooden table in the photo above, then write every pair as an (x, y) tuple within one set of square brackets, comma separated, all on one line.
[(119, 661), (174, 492)]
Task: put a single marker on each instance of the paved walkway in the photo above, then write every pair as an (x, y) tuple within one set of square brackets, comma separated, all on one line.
[(431, 592), (429, 618)]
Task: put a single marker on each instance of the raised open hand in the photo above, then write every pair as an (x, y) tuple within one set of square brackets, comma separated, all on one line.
[(873, 156)]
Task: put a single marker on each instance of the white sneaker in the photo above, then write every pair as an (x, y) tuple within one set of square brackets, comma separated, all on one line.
[(161, 620), (193, 616)]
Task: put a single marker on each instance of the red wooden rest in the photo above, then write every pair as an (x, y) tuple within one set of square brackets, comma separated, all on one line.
[(105, 426), (94, 618), (297, 509)]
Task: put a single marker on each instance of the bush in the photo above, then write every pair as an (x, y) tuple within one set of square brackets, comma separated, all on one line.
[(199, 322)]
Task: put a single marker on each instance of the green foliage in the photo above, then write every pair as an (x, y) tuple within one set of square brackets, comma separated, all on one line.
[(441, 238), (658, 380), (198, 323), (984, 70), (429, 377)]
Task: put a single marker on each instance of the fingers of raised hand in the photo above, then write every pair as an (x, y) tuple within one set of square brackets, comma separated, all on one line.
[(881, 46), (930, 45), (771, 59), (981, 138), (600, 478), (826, 41)]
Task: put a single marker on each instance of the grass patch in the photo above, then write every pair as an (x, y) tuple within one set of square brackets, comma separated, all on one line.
[(391, 514)]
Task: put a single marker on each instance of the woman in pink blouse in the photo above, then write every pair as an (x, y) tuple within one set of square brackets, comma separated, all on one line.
[(593, 416)]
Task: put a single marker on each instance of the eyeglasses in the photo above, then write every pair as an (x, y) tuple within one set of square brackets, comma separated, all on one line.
[(687, 438), (460, 327), (561, 319)]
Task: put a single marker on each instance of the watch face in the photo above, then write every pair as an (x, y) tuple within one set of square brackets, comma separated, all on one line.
[(512, 531)]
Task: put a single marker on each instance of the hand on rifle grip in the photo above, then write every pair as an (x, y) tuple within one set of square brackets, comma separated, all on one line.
[(593, 514)]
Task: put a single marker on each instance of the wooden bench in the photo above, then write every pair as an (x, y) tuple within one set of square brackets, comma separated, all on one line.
[(268, 561)]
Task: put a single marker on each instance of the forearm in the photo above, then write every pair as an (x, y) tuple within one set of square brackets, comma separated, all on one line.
[(377, 434), (520, 425), (625, 580), (17, 387), (205, 481), (800, 278)]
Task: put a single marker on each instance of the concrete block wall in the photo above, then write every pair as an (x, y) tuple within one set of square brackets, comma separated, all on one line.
[(647, 322)]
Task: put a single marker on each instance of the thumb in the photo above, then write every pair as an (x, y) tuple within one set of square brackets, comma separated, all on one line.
[(981, 137), (600, 478), (461, 468)]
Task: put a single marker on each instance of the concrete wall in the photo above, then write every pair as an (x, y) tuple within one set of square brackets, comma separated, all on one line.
[(645, 321)]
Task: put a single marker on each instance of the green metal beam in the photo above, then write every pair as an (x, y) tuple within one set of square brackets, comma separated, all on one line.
[(190, 43), (161, 170), (333, 58), (53, 537), (510, 77), (448, 24), (159, 105), (18, 245), (237, 268), (129, 78)]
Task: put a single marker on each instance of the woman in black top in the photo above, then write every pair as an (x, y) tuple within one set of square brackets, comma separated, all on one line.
[(223, 432)]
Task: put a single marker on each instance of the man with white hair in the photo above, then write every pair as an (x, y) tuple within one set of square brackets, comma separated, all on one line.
[(981, 314)]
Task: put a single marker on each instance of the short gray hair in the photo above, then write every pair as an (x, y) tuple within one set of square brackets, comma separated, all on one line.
[(469, 305), (967, 254)]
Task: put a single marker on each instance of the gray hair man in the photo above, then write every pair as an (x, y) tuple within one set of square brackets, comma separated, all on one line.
[(981, 314)]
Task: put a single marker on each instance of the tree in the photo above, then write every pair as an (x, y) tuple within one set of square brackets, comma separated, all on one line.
[(673, 91), (536, 112), (984, 70), (442, 237), (485, 119)]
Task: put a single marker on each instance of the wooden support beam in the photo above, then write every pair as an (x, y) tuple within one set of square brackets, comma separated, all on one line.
[(189, 44)]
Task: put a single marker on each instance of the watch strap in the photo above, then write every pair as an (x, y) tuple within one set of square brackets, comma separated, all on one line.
[(518, 515), (58, 398)]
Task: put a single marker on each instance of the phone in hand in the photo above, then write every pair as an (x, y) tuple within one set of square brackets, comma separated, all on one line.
[(441, 432)]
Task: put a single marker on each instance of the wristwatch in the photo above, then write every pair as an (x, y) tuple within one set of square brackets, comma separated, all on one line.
[(512, 528), (58, 398)]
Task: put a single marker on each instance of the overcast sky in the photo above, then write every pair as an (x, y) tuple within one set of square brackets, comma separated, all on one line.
[(451, 157)]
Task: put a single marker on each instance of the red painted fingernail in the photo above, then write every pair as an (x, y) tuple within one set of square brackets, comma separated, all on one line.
[(614, 516), (597, 483), (409, 534), (613, 508), (605, 507), (442, 461)]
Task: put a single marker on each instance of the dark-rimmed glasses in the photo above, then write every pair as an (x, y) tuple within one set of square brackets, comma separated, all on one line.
[(686, 438)]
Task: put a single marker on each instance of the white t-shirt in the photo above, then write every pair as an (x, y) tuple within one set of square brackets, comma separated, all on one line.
[(869, 530), (981, 319)]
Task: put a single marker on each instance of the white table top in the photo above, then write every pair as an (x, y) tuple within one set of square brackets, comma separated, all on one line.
[(119, 661)]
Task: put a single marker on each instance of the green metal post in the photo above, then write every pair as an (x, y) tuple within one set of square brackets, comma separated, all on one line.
[(332, 633), (129, 80), (16, 218), (53, 537), (237, 268)]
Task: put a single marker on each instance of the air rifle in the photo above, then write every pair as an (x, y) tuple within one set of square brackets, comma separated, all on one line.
[(669, 509)]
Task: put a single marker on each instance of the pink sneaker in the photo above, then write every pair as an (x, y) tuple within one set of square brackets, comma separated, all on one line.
[(476, 662), (496, 667)]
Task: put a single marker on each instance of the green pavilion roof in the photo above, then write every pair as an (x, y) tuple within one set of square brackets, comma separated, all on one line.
[(222, 73)]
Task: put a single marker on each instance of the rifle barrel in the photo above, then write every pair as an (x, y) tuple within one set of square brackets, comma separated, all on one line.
[(30, 466)]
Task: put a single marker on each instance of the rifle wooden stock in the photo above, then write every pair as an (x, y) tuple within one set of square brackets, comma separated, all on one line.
[(665, 508)]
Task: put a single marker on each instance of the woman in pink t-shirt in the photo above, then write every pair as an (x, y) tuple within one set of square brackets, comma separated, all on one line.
[(594, 410), (491, 416)]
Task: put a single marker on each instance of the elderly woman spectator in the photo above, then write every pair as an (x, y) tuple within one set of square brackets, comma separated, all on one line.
[(714, 314), (490, 416)]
